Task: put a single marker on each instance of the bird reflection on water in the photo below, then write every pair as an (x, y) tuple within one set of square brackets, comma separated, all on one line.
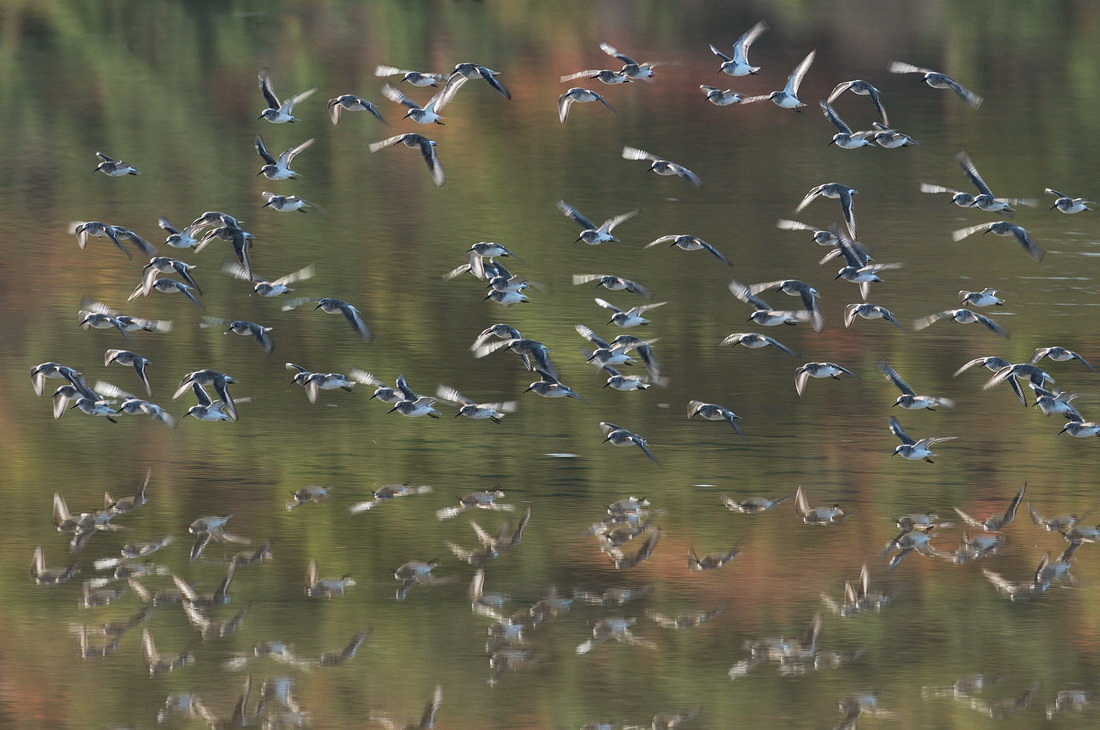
[(634, 541)]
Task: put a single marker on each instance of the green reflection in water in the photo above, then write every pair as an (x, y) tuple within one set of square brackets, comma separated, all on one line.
[(171, 87)]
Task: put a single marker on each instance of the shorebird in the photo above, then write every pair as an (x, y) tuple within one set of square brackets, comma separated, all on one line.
[(834, 190), (714, 412), (331, 305), (471, 409), (1075, 426), (739, 64), (168, 286), (427, 114), (97, 229), (416, 78), (986, 200), (279, 112), (220, 382), (911, 448), (464, 71), (179, 238), (889, 138), (938, 80), (822, 236), (592, 234), (962, 316), (613, 283), (687, 242), (279, 169), (721, 97), (1013, 373), (1059, 354), (426, 147), (755, 341), (111, 167), (1004, 228), (909, 398), (285, 203), (167, 265), (128, 357), (207, 409), (861, 87), (788, 97), (352, 103), (988, 297), (1056, 402), (990, 362), (796, 288), (604, 76), (764, 314), (577, 95), (313, 382), (845, 138), (869, 311), (632, 69), (268, 287), (550, 387), (803, 373), (619, 436), (1068, 205), (661, 167), (628, 317)]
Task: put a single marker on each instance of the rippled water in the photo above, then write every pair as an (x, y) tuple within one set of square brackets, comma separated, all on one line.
[(171, 88)]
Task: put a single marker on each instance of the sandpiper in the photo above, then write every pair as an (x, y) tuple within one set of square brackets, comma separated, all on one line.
[(1060, 354), (636, 70), (416, 78), (909, 398), (803, 373), (577, 95), (845, 138), (962, 316), (837, 191), (613, 283), (285, 203), (628, 317), (619, 436), (352, 103), (911, 448), (861, 87), (426, 147), (111, 167), (279, 169), (464, 71), (755, 341), (721, 97), (1068, 205), (687, 242), (938, 80), (788, 97), (739, 64), (763, 313), (867, 310), (427, 114), (714, 412), (128, 357), (592, 234), (988, 297), (662, 167), (279, 112), (471, 409)]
